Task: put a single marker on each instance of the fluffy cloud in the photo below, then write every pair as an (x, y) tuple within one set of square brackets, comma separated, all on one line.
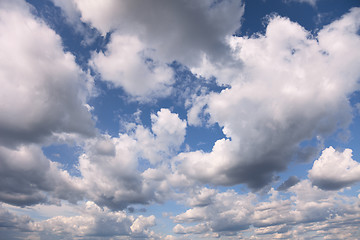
[(144, 42), (43, 91), (95, 221), (335, 170), (309, 211), (129, 64), (203, 29), (27, 177), (91, 223), (115, 163), (293, 87)]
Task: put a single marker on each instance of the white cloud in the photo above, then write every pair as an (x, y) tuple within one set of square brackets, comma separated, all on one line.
[(43, 90), (142, 223), (309, 211), (335, 170), (88, 221), (115, 162), (93, 221), (293, 87), (128, 63), (169, 130)]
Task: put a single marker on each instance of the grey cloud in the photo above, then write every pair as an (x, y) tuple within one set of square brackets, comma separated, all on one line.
[(26, 176), (193, 27), (331, 185), (53, 88), (13, 226), (291, 181)]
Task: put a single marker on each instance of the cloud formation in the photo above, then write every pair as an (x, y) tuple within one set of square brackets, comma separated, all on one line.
[(91, 223), (110, 165), (293, 87), (310, 212), (27, 177), (335, 170), (264, 103), (43, 90), (138, 55)]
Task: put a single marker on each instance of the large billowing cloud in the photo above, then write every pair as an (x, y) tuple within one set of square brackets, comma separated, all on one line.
[(147, 36), (111, 167), (203, 29), (129, 64), (28, 178), (293, 87), (335, 170), (43, 97), (43, 91)]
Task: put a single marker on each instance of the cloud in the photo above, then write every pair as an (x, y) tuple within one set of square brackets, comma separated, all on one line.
[(89, 222), (129, 64), (293, 87), (335, 170), (43, 91), (291, 181), (115, 161), (28, 177), (144, 42), (202, 30), (310, 211)]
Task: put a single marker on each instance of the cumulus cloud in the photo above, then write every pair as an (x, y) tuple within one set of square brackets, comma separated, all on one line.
[(309, 212), (27, 177), (335, 170), (138, 54), (202, 30), (311, 2), (129, 64), (88, 222), (115, 162), (43, 91), (293, 87), (95, 221)]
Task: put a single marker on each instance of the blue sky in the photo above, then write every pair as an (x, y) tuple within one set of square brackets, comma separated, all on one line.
[(179, 119)]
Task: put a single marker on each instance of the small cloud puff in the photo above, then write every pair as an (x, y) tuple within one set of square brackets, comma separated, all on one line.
[(335, 170)]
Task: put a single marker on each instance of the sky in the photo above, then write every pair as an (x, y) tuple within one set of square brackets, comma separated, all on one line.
[(213, 119)]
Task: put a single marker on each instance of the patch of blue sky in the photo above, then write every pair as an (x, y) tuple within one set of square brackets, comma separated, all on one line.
[(111, 107), (310, 17), (65, 154)]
